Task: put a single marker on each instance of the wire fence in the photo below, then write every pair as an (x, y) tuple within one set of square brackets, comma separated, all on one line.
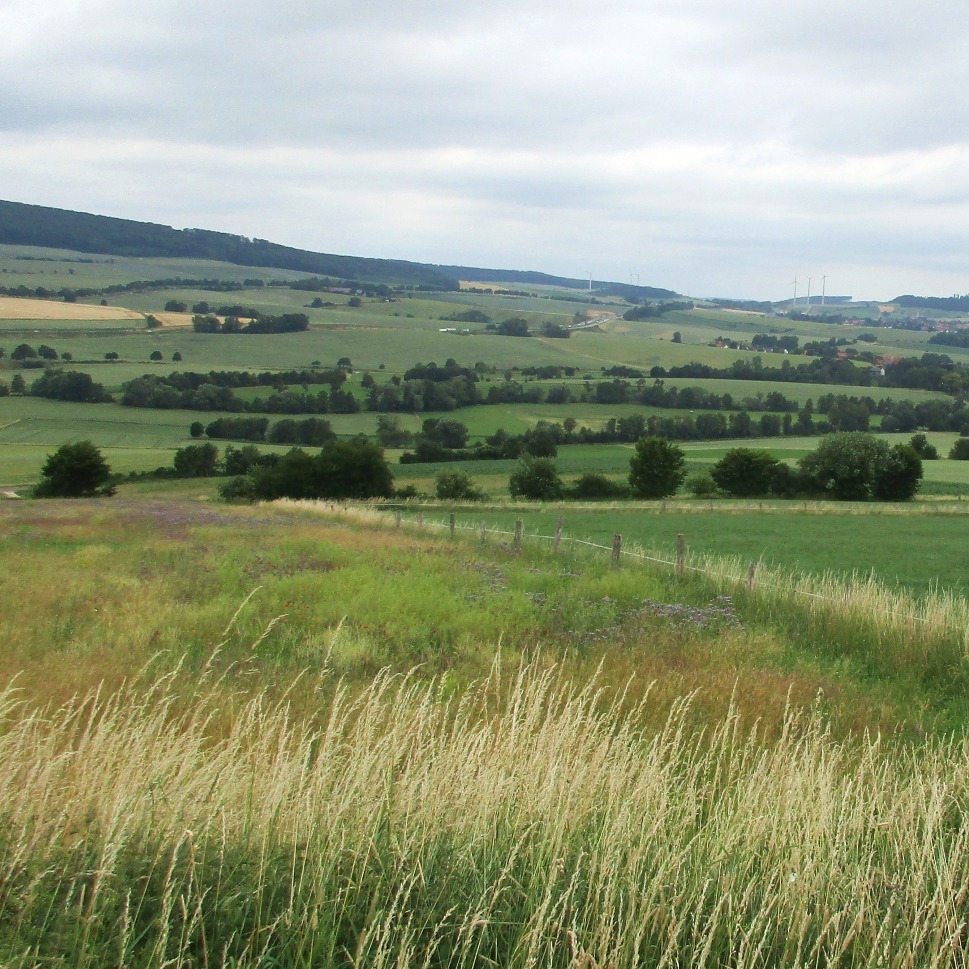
[(938, 614), (754, 578)]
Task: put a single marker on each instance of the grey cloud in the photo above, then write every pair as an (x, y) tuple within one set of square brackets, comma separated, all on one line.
[(702, 136)]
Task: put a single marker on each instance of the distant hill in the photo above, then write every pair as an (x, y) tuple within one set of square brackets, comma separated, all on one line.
[(37, 225), (524, 277), (957, 304)]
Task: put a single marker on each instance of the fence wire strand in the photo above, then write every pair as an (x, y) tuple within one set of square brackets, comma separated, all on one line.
[(762, 584)]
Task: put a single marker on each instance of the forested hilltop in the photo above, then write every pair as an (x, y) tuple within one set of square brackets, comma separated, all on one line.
[(38, 225)]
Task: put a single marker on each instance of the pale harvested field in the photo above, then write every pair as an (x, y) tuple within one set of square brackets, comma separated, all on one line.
[(174, 319), (15, 308)]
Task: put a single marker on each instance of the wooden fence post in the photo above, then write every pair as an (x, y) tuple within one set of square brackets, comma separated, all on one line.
[(420, 520), (482, 531), (616, 549), (518, 533), (680, 555), (398, 518), (751, 576), (558, 534), (451, 524)]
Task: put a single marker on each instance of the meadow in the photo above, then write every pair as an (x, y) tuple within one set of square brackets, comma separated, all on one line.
[(308, 734), (297, 735)]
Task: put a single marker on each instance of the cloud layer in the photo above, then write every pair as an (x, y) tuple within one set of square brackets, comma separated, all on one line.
[(712, 147)]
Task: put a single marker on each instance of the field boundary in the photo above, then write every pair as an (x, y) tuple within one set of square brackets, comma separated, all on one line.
[(860, 598)]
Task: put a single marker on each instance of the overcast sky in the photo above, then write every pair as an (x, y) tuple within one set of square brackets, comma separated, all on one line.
[(714, 147)]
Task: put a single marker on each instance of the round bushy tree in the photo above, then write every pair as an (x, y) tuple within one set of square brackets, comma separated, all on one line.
[(75, 470), (454, 485), (899, 477), (745, 472), (856, 466), (960, 450), (656, 469), (925, 450), (535, 478)]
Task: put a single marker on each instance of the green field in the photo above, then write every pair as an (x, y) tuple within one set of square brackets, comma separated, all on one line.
[(921, 552), (312, 734)]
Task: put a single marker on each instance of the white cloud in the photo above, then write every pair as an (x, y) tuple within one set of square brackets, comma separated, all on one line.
[(705, 143)]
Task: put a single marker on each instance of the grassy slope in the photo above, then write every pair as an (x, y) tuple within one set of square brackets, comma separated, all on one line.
[(547, 816)]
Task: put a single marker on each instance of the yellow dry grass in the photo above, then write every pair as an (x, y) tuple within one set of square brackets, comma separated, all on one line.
[(174, 319), (15, 308)]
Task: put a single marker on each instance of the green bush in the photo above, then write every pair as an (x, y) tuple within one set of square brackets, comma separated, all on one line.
[(197, 461), (456, 486), (745, 473), (960, 450), (855, 466), (594, 486), (75, 470), (656, 469), (343, 469), (700, 484), (535, 478)]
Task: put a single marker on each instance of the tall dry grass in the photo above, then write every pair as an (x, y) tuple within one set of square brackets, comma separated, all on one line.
[(526, 823)]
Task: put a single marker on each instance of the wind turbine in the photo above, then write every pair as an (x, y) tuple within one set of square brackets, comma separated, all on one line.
[(824, 283), (809, 295), (795, 291)]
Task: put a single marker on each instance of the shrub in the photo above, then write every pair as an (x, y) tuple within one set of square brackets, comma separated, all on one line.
[(656, 469), (456, 486), (197, 461), (594, 486), (343, 469), (960, 450), (745, 472), (899, 476), (700, 484), (241, 488), (75, 470), (535, 478), (855, 466), (925, 450)]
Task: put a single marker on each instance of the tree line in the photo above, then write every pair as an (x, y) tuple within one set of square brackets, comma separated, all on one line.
[(284, 323)]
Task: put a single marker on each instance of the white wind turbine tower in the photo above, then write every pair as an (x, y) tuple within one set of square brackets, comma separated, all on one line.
[(809, 295), (824, 284), (795, 292)]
